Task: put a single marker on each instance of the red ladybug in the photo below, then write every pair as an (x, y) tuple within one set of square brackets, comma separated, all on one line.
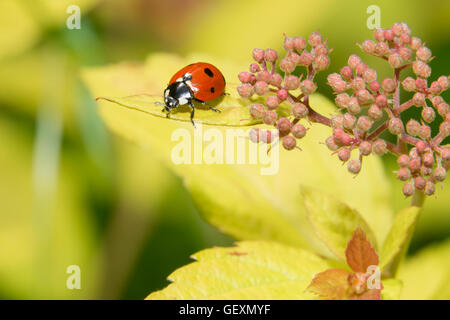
[(199, 82)]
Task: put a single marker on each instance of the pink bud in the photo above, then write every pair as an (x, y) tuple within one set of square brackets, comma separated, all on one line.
[(403, 160), (429, 188), (306, 58), (369, 75), (375, 112), (282, 94), (344, 154), (254, 68), (342, 100), (349, 121), (276, 79), (346, 72), (421, 146), (421, 84), (245, 77), (409, 84), (288, 43), (294, 57), (257, 111), (321, 62), (412, 127), (397, 29), (375, 86), (353, 106), (408, 189), (315, 39), (263, 75), (381, 49), (415, 43), (435, 88), (272, 102), (289, 142), (365, 147), (396, 126), (424, 54), (428, 159), (270, 117), (445, 154), (379, 34), (360, 68), (321, 49), (395, 60), (337, 121), (368, 46), (428, 114), (444, 82), (364, 123), (358, 84), (307, 87), (299, 110), (388, 35), (405, 53), (299, 43), (381, 101), (261, 88), (379, 147), (287, 65), (353, 61), (258, 55), (444, 128), (388, 85), (291, 82), (440, 174), (270, 55), (414, 164), (298, 131), (404, 174), (424, 132), (418, 99), (331, 143), (419, 183), (354, 166), (421, 69), (363, 96), (254, 135), (284, 125), (245, 90)]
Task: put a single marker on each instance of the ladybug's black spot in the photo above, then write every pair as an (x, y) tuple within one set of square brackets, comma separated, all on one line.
[(212, 89), (208, 72)]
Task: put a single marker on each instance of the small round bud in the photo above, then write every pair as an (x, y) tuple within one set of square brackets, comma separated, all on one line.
[(339, 86), (298, 130), (287, 65), (425, 171), (307, 87), (331, 143), (375, 86), (409, 84), (415, 43), (363, 96), (395, 60), (408, 189), (419, 183), (414, 164), (381, 48), (276, 79), (337, 121), (412, 127), (443, 108), (444, 82), (397, 29), (291, 82), (270, 55), (369, 76), (353, 106), (403, 174), (341, 138), (257, 111), (272, 102), (245, 90), (346, 72), (284, 125), (289, 142), (379, 147), (342, 100), (294, 57), (421, 84), (263, 75), (288, 43), (421, 69), (379, 34), (420, 146), (429, 188), (389, 34), (270, 117), (424, 132), (254, 67), (368, 46), (349, 121), (344, 154), (396, 126), (418, 99), (361, 68), (321, 62), (354, 166), (413, 153), (282, 94), (258, 54), (381, 101), (437, 100), (435, 88), (364, 123), (306, 59), (403, 161), (365, 147), (261, 88), (405, 53), (428, 159), (315, 39), (321, 49), (358, 84), (444, 128), (353, 61), (245, 77), (388, 85), (375, 112), (423, 53), (428, 114), (299, 110), (299, 43), (445, 154), (254, 135), (440, 174)]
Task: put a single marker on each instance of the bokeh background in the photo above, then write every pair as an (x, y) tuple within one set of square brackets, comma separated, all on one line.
[(73, 193)]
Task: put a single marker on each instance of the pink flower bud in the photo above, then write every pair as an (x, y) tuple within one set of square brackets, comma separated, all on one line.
[(358, 84), (282, 94), (276, 79), (375, 112), (424, 54), (379, 147), (337, 121), (353, 61), (261, 88), (363, 96), (263, 75), (321, 49), (364, 123), (445, 154), (245, 90), (418, 99), (412, 127), (270, 55), (306, 59), (287, 65), (257, 111), (435, 88), (404, 174), (388, 35), (288, 43), (408, 189), (405, 38), (349, 121), (405, 53), (409, 84), (374, 86), (272, 102), (425, 171), (424, 132), (353, 106), (270, 117), (436, 100), (379, 34), (254, 135), (342, 100), (444, 128), (429, 188), (415, 43), (289, 142), (315, 39), (360, 68), (245, 77), (421, 69), (365, 147), (369, 75), (396, 126), (258, 55), (298, 131), (395, 60), (331, 143), (428, 159), (397, 29), (440, 174), (291, 82), (307, 87), (421, 146), (284, 125), (354, 166), (341, 138), (388, 85), (428, 114), (414, 164), (346, 72), (299, 110), (368, 46), (254, 67), (419, 183), (294, 57), (444, 82), (403, 161), (299, 44), (421, 84), (381, 101), (321, 62), (381, 48), (344, 154)]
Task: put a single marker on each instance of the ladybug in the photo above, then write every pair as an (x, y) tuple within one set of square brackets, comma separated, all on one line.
[(200, 82)]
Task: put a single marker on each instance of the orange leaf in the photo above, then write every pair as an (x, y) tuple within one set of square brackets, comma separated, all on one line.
[(331, 284), (360, 253), (372, 294)]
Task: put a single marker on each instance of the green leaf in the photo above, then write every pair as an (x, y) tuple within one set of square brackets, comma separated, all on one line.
[(260, 269), (426, 275), (238, 198), (333, 221), (392, 289), (398, 239)]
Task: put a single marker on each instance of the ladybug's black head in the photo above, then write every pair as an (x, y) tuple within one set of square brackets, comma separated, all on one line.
[(170, 101), (177, 93)]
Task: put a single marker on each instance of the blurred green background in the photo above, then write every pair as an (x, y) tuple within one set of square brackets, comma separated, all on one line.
[(74, 194)]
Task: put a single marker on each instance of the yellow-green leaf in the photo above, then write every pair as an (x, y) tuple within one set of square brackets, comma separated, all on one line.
[(392, 289), (398, 238), (333, 221), (251, 270)]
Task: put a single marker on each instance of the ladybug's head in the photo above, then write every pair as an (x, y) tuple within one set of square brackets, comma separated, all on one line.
[(170, 101)]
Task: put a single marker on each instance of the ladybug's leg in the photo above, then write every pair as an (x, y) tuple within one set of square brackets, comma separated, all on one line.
[(192, 112), (210, 106)]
